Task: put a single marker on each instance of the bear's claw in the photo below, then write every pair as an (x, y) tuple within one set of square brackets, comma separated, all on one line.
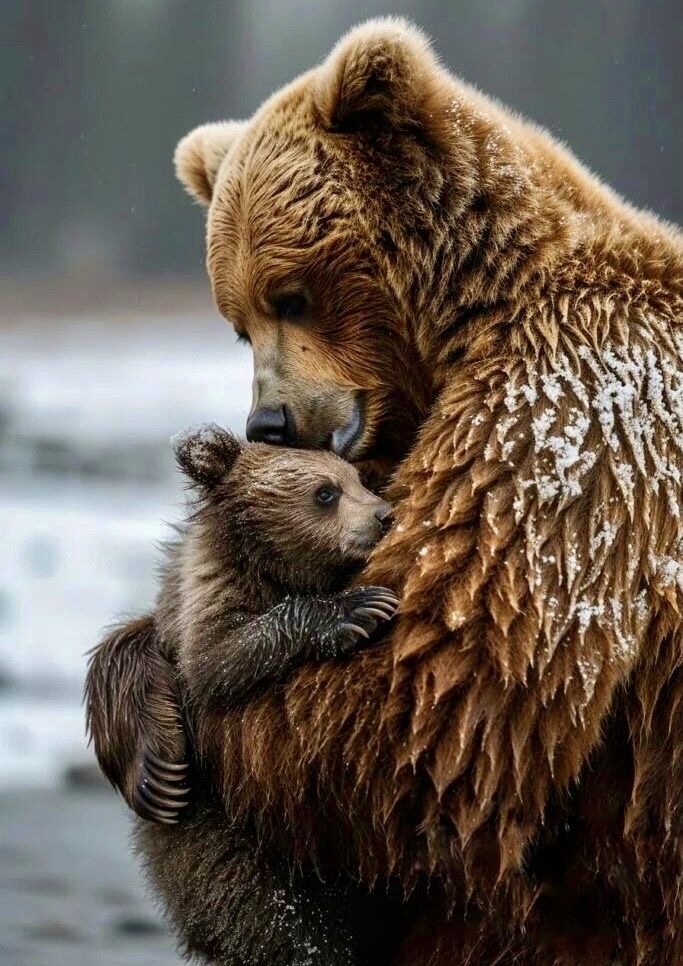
[(161, 791), (366, 608)]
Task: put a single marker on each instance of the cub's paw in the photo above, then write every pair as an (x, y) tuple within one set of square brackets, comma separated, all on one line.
[(162, 789), (364, 609)]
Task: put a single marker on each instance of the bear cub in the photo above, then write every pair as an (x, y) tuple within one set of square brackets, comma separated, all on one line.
[(253, 587)]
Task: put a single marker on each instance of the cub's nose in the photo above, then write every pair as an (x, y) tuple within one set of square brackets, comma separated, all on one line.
[(384, 515), (268, 425)]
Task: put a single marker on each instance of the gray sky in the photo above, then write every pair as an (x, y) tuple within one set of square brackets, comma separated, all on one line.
[(100, 91)]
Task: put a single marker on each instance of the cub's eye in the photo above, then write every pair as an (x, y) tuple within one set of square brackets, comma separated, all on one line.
[(326, 495), (291, 307), (243, 337)]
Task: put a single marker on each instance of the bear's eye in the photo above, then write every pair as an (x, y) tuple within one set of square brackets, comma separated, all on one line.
[(291, 306), (326, 495)]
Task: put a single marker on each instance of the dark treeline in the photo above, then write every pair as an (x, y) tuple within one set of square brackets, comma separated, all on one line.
[(96, 93)]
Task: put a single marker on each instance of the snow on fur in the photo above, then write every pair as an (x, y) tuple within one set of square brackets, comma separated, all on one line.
[(618, 408)]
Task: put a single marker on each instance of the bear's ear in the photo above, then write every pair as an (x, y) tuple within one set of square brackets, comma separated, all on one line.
[(381, 71), (206, 454), (200, 153)]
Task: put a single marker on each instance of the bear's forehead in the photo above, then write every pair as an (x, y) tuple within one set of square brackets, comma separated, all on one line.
[(279, 202), (284, 128), (274, 168)]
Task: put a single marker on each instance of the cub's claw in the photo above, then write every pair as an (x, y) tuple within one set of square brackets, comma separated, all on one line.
[(162, 789), (366, 608)]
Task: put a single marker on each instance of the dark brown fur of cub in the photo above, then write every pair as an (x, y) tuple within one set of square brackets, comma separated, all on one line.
[(253, 587)]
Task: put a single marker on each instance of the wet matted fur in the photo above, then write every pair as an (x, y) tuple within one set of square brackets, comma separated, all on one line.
[(252, 587)]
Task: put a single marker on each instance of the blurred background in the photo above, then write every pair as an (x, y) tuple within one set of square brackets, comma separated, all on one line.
[(109, 343)]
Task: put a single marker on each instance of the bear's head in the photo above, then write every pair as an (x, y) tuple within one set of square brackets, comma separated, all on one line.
[(302, 236), (301, 517), (342, 218)]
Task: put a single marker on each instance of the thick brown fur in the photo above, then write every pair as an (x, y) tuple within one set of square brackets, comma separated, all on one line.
[(235, 902), (132, 699), (254, 587), (516, 326)]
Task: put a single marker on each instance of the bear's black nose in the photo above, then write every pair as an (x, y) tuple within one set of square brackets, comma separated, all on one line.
[(267, 425), (384, 515)]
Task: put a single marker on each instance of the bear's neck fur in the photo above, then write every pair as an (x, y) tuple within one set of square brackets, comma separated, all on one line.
[(500, 224)]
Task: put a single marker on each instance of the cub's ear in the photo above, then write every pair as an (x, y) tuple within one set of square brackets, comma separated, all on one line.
[(206, 454), (200, 153), (383, 70)]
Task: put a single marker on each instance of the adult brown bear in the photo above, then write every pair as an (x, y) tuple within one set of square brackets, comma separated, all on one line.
[(429, 281)]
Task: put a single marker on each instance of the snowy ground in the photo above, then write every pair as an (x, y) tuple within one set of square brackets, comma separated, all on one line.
[(87, 488), (70, 894)]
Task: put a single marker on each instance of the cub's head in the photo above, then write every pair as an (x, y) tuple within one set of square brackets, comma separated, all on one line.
[(320, 208), (300, 516)]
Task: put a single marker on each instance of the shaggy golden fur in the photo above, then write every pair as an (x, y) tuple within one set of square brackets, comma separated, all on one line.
[(519, 736)]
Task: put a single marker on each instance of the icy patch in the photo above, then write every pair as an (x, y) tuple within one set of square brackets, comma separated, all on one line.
[(526, 391), (603, 538), (563, 455), (200, 436), (552, 388), (617, 411), (668, 571), (632, 401), (639, 402), (589, 671), (586, 611)]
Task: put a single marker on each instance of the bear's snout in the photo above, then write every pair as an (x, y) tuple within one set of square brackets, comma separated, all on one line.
[(273, 425)]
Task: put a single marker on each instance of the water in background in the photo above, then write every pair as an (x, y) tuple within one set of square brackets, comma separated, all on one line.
[(87, 489)]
